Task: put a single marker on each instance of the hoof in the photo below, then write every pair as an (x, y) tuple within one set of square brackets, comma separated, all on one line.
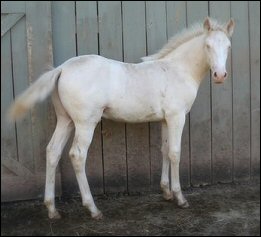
[(168, 196), (184, 205), (54, 215), (97, 216)]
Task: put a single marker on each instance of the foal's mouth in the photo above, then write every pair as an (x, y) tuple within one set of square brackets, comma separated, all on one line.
[(219, 82)]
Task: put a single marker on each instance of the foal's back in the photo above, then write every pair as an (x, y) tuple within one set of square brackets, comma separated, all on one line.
[(126, 92)]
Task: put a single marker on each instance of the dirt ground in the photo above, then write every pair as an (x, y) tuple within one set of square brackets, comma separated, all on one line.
[(223, 209)]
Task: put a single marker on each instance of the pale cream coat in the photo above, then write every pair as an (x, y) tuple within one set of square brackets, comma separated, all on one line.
[(162, 88)]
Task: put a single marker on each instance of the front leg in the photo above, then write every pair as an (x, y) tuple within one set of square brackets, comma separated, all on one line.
[(164, 182), (175, 124)]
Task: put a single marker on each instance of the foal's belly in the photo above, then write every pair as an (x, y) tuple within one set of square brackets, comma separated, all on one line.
[(133, 115)]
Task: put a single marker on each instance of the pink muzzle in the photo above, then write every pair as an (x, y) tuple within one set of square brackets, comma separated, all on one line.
[(219, 76)]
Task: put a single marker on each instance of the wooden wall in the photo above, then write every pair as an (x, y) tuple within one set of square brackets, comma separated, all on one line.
[(221, 138)]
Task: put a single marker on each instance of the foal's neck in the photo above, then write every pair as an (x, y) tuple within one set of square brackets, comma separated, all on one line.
[(191, 56)]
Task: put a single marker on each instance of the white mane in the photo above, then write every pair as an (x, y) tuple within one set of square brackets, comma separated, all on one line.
[(182, 37)]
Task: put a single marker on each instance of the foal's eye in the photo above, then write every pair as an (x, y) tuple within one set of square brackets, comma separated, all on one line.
[(208, 46)]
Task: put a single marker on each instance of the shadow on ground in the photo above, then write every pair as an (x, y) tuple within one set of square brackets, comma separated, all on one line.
[(224, 209)]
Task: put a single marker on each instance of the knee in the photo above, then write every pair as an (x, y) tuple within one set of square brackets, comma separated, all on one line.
[(174, 155), (164, 148), (77, 158)]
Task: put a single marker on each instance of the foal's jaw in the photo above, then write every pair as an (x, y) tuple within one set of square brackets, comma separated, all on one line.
[(218, 82)]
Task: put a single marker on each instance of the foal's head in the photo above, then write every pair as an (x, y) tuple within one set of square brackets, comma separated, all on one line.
[(217, 45)]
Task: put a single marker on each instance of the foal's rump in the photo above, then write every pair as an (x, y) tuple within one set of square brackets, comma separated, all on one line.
[(45, 84)]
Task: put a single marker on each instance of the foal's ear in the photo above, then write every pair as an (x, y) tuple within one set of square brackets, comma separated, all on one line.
[(207, 24), (230, 27)]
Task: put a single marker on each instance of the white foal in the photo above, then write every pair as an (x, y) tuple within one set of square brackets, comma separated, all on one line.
[(162, 88)]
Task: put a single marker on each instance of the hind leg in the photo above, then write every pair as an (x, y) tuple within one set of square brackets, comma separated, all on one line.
[(53, 155), (78, 155), (54, 149), (85, 109)]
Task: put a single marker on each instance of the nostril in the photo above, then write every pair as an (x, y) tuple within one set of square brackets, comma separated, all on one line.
[(225, 75), (215, 74)]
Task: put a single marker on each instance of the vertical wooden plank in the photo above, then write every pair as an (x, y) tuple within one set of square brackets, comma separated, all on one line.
[(254, 18), (134, 34), (20, 76), (137, 135), (64, 47), (110, 39), (114, 144), (87, 27), (200, 115), (222, 111), (156, 38), (241, 91), (63, 25), (176, 17), (176, 21), (8, 134), (39, 45), (87, 43)]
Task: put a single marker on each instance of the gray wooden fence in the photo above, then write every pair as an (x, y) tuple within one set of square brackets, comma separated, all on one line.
[(221, 139)]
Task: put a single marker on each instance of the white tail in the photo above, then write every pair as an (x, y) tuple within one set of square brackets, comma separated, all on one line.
[(37, 92)]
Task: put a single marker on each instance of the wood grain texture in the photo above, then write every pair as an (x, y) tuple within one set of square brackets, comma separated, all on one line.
[(176, 21), (9, 21), (26, 62), (221, 137), (38, 12), (63, 26), (64, 47), (156, 38), (200, 115), (87, 43), (8, 133), (87, 27), (137, 135), (13, 7), (20, 77), (222, 111), (114, 143), (254, 30), (241, 91)]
